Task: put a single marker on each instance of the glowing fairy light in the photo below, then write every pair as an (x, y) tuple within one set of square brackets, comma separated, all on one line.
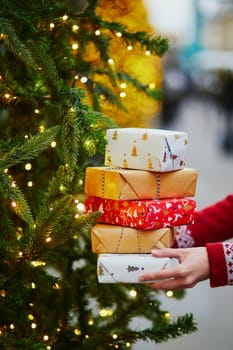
[(133, 293), (53, 144), (169, 293), (75, 28), (41, 128), (81, 207), (30, 317), (90, 322), (20, 254), (167, 315), (65, 17), (129, 47), (37, 111), (13, 204), (3, 293), (12, 326), (75, 46), (7, 96), (33, 325), (122, 94), (13, 184), (110, 61), (26, 136), (123, 85), (87, 336), (45, 337), (51, 25), (114, 336), (76, 77), (77, 331), (152, 86), (119, 34), (48, 239), (147, 52), (83, 80), (30, 184), (97, 32), (127, 344), (28, 166), (33, 285), (105, 312)]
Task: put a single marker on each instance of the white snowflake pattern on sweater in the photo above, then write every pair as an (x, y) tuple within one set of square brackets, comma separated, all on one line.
[(183, 237), (228, 252)]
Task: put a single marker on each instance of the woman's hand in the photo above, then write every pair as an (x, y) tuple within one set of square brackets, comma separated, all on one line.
[(193, 267)]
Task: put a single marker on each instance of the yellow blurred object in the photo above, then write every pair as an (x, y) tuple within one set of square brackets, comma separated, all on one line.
[(132, 60)]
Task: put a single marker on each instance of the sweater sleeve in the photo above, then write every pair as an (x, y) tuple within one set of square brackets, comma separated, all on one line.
[(211, 224), (220, 257)]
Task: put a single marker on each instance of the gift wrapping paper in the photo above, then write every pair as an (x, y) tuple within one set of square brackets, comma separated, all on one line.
[(117, 183), (146, 149), (146, 214), (120, 239), (126, 268)]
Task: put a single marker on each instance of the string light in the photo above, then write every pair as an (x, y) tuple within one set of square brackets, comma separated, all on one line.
[(75, 28), (37, 111), (90, 322), (45, 337), (28, 166), (129, 47), (122, 94), (12, 326), (3, 293), (110, 61), (147, 52), (123, 85), (33, 285), (53, 144), (41, 128), (77, 331), (152, 86), (83, 80), (65, 17), (105, 312), (119, 34), (127, 345), (97, 32), (33, 325), (169, 293), (133, 293), (114, 336), (75, 46), (52, 26), (30, 184), (13, 204)]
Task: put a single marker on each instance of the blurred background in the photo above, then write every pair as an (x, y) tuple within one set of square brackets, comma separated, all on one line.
[(198, 99)]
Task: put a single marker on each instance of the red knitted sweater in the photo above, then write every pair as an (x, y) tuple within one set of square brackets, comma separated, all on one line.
[(212, 226)]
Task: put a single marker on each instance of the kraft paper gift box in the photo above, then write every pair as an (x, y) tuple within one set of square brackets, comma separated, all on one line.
[(145, 214), (146, 149), (116, 183), (126, 268), (120, 239)]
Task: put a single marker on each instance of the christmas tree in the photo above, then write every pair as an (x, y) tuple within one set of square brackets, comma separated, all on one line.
[(59, 92)]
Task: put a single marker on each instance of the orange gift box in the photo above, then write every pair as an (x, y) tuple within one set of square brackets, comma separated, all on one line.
[(120, 239), (116, 183), (146, 214)]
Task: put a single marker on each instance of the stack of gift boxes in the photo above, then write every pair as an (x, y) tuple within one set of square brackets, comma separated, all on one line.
[(143, 193)]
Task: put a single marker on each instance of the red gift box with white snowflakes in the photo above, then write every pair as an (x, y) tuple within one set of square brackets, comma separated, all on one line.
[(145, 214)]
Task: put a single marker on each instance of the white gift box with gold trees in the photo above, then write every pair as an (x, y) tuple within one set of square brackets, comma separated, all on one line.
[(126, 268), (146, 149)]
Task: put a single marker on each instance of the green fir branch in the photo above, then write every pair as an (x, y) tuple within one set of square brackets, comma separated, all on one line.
[(32, 147), (14, 44)]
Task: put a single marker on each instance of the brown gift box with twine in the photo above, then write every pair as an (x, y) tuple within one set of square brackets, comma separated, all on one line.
[(118, 239), (130, 184)]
